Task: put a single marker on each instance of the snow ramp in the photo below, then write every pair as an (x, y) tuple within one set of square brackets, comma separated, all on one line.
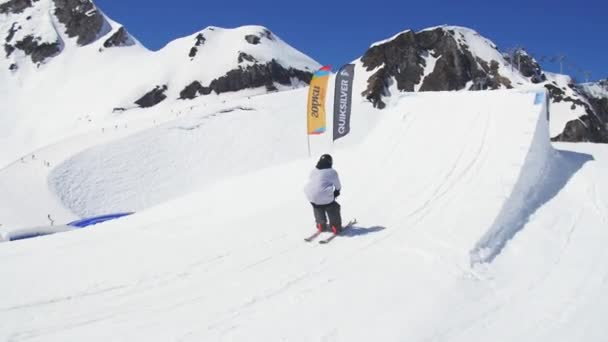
[(432, 179), (456, 170), (527, 185)]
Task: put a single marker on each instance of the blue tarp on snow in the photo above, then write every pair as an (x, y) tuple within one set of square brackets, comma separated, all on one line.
[(95, 220)]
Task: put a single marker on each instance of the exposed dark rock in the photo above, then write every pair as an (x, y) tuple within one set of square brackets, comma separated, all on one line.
[(590, 127), (13, 67), (9, 49), (399, 59), (266, 33), (556, 93), (600, 107), (258, 75), (16, 6), (455, 68), (252, 39), (81, 19), (118, 110), (587, 128), (38, 52), (193, 90), (527, 65), (497, 80), (252, 76), (153, 97), (246, 57), (597, 117), (403, 59), (488, 77), (377, 86), (200, 40), (575, 131), (118, 39), (11, 32)]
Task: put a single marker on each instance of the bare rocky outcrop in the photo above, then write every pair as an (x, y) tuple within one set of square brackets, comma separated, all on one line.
[(403, 59), (252, 39), (153, 97), (81, 19), (526, 64), (258, 75), (252, 76), (256, 39), (200, 40), (9, 49), (119, 39), (193, 90), (37, 51), (16, 6), (593, 126), (11, 32), (246, 57)]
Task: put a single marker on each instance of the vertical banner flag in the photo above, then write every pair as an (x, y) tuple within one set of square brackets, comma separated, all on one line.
[(316, 101), (343, 100)]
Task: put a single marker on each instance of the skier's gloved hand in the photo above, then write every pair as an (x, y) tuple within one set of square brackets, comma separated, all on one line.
[(336, 193)]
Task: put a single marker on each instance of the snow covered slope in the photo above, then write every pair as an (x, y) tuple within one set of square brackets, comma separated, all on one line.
[(68, 65), (225, 260), (472, 226), (596, 89)]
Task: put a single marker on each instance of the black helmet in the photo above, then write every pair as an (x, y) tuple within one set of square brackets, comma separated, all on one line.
[(325, 162)]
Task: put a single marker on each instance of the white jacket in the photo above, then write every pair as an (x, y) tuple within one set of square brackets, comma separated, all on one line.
[(321, 185)]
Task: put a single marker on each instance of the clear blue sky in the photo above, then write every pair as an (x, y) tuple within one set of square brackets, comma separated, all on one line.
[(337, 32)]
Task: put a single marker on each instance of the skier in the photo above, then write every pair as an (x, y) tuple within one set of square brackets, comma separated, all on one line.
[(322, 189)]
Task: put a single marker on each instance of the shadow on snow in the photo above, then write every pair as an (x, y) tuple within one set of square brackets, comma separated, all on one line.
[(561, 169), (359, 231)]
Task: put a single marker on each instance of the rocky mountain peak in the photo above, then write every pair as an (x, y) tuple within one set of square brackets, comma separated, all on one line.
[(451, 58), (435, 59), (39, 30)]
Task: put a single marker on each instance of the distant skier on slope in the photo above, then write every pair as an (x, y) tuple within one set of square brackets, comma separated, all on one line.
[(322, 189)]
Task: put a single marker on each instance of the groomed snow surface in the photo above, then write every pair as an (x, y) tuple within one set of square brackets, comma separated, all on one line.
[(472, 227)]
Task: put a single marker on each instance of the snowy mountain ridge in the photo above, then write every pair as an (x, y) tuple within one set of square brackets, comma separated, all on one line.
[(81, 66), (448, 58)]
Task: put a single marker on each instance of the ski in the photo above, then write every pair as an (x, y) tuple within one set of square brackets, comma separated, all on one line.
[(333, 236), (313, 236)]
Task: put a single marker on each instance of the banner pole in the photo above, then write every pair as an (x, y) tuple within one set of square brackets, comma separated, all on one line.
[(308, 138)]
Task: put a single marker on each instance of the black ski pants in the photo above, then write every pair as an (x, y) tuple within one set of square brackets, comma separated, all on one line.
[(331, 211)]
